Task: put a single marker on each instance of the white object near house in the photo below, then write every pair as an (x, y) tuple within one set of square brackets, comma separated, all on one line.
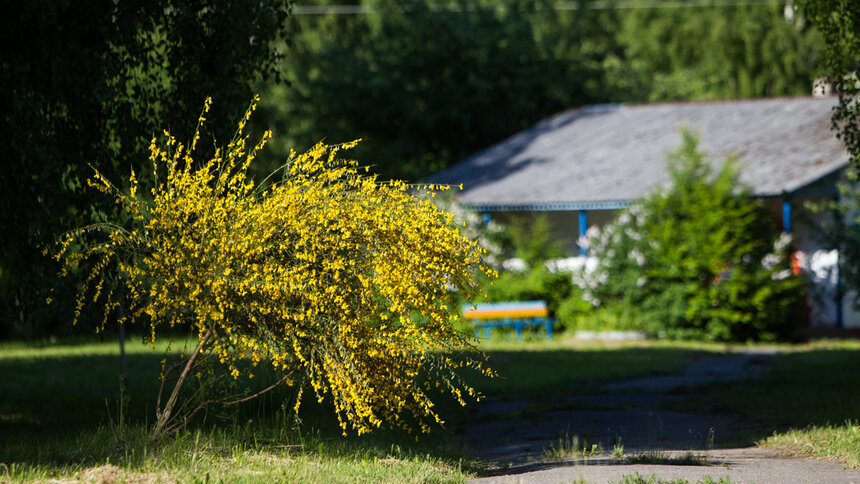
[(582, 165)]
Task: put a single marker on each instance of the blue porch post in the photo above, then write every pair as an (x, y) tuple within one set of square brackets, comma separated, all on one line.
[(583, 227), (786, 216), (840, 316)]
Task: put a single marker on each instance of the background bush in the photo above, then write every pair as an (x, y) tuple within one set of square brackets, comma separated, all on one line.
[(699, 259)]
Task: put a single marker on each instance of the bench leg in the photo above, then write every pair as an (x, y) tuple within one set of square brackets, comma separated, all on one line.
[(519, 329), (477, 332), (487, 331), (549, 329)]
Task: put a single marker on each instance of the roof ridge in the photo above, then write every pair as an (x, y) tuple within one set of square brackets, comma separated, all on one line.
[(708, 102)]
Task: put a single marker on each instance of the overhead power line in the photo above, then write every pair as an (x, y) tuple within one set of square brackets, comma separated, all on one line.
[(595, 5)]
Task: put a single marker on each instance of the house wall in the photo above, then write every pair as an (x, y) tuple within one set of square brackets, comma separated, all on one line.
[(564, 224), (817, 261)]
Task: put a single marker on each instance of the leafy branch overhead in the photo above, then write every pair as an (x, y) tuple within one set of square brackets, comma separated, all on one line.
[(839, 24)]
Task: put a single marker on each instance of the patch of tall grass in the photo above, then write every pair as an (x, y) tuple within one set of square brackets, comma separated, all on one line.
[(840, 441)]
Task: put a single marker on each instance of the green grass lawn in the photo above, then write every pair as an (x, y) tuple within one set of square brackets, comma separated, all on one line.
[(59, 417), (59, 413)]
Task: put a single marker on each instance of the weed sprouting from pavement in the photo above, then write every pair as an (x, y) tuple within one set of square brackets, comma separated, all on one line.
[(665, 458), (570, 446), (653, 479)]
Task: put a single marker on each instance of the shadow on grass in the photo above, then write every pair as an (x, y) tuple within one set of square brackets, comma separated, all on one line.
[(569, 371), (61, 411), (802, 388), (50, 402), (54, 409)]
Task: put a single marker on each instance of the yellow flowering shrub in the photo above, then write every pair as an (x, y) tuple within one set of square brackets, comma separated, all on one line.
[(328, 274)]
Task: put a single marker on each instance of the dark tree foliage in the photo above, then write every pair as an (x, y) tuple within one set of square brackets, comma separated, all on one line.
[(426, 84), (90, 83), (719, 52)]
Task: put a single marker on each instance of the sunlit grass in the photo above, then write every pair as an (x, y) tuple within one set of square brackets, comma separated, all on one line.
[(232, 455), (839, 441)]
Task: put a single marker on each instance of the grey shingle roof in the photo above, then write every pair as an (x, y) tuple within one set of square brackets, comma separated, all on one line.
[(603, 156)]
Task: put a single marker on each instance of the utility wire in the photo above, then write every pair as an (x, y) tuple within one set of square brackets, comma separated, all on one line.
[(595, 5)]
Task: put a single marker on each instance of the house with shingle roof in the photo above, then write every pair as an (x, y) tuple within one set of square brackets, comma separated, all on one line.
[(580, 166)]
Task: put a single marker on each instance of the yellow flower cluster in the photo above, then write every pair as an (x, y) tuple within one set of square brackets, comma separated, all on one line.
[(328, 272)]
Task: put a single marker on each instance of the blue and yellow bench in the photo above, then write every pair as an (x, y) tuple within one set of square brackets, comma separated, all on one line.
[(515, 315)]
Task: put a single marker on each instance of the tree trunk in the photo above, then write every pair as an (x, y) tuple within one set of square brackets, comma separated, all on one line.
[(163, 417)]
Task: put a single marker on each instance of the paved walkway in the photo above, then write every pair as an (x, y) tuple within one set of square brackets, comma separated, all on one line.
[(525, 440), (753, 465)]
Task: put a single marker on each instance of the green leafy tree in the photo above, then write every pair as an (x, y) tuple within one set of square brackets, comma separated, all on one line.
[(426, 83), (89, 83), (735, 51), (698, 259)]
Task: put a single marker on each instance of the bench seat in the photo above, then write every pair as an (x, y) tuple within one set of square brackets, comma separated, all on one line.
[(515, 315)]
